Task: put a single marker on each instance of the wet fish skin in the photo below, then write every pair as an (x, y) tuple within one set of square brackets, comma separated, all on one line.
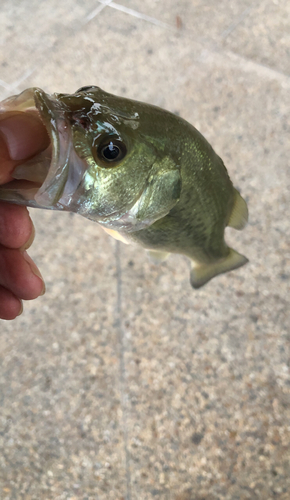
[(168, 191)]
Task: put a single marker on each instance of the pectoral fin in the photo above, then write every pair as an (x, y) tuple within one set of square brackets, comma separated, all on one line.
[(160, 195), (201, 273), (162, 191)]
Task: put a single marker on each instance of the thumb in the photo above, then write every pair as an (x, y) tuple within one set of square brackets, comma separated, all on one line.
[(22, 135)]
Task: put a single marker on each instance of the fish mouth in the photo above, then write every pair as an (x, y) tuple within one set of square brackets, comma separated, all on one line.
[(50, 178)]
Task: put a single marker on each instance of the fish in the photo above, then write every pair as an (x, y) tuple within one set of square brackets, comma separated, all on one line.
[(144, 174)]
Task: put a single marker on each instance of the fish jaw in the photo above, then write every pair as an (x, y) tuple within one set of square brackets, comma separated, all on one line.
[(50, 178), (59, 178)]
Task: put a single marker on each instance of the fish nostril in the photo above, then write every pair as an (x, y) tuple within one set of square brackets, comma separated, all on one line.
[(81, 120)]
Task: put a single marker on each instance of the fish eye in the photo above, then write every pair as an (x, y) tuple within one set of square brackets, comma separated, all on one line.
[(83, 89), (112, 151)]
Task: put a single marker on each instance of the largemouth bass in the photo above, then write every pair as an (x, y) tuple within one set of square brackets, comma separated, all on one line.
[(142, 173)]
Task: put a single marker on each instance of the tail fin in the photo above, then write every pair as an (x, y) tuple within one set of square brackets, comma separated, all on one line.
[(201, 273)]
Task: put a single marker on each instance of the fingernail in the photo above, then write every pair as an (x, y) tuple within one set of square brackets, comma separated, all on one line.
[(21, 309), (32, 265), (34, 269), (29, 242)]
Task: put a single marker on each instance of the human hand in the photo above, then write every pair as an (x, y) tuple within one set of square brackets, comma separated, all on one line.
[(21, 137)]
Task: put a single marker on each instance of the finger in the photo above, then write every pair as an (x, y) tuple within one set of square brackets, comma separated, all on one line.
[(10, 306), (19, 274), (22, 135), (16, 227), (5, 161)]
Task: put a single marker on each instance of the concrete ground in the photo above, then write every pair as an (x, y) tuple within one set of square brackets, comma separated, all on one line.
[(121, 382)]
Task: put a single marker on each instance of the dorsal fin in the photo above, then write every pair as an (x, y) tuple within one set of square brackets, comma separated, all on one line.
[(239, 215)]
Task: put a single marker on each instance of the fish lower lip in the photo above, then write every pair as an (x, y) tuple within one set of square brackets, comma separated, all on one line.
[(42, 179), (60, 137)]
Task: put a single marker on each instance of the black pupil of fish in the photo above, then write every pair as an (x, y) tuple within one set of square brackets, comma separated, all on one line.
[(111, 152)]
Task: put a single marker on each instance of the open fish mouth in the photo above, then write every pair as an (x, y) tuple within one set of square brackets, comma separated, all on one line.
[(50, 178)]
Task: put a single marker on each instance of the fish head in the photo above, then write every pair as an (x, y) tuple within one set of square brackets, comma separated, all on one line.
[(105, 160)]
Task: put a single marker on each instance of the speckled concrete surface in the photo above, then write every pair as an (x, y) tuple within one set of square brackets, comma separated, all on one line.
[(121, 382)]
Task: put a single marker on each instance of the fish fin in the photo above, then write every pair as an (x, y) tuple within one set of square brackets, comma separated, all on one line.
[(157, 256), (160, 195), (202, 273), (116, 235), (239, 215)]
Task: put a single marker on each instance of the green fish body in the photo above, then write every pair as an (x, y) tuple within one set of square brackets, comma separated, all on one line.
[(145, 175)]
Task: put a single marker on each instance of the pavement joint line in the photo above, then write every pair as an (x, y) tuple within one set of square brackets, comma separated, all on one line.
[(13, 86), (5, 85), (236, 61), (139, 15), (230, 58), (96, 11), (22, 78), (119, 327), (236, 22)]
